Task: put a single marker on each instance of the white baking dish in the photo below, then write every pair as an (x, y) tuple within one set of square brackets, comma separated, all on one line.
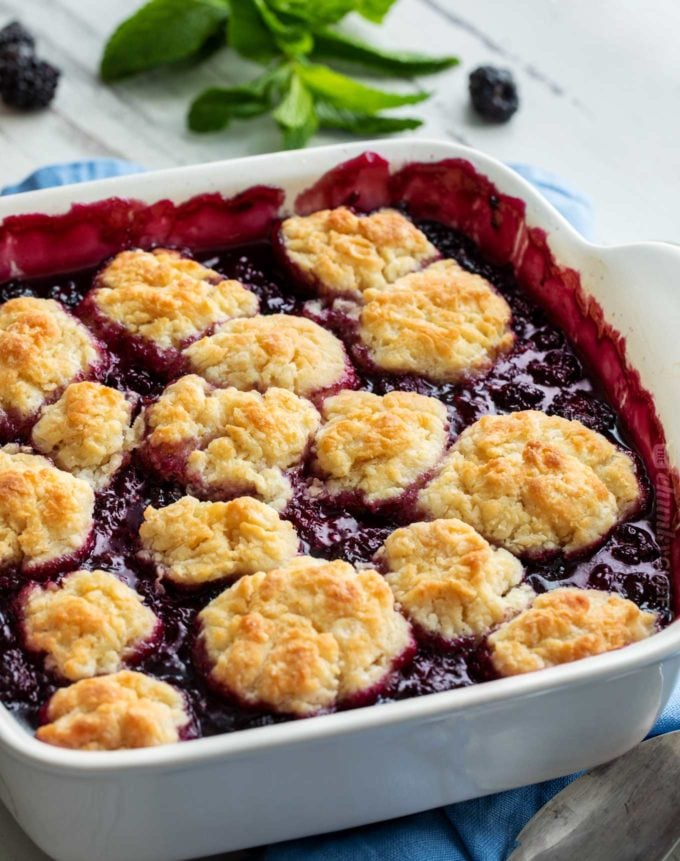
[(263, 785)]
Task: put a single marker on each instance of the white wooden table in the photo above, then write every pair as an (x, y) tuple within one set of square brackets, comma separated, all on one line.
[(600, 89)]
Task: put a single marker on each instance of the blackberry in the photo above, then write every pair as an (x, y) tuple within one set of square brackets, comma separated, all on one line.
[(547, 339), (517, 396), (633, 545), (27, 83), (585, 408), (493, 93), (15, 35), (12, 56), (555, 369)]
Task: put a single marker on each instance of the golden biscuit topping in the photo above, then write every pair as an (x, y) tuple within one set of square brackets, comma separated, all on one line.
[(303, 637), (534, 483), (89, 624), (450, 581), (343, 254), (240, 443), (378, 446), (42, 349), (278, 350), (87, 432), (565, 625), (117, 712), (45, 513), (194, 542), (166, 298), (443, 322)]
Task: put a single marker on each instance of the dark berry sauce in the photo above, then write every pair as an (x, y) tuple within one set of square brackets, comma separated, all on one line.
[(542, 372)]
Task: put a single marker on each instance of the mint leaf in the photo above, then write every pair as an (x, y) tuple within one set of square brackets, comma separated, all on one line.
[(296, 115), (162, 31), (331, 117), (316, 13), (216, 107), (293, 39), (374, 10), (344, 92), (281, 34), (329, 44), (248, 34)]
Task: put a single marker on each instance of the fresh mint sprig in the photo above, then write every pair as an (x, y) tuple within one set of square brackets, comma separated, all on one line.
[(161, 32), (293, 40)]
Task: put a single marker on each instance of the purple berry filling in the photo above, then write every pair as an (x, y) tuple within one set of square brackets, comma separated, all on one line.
[(541, 372)]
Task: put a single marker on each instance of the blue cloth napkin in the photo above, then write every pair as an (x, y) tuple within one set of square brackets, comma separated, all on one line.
[(483, 829), (70, 172)]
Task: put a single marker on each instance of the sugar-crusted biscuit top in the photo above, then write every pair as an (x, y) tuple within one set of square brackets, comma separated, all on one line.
[(166, 298), (343, 254), (277, 350), (45, 513), (378, 446), (565, 625), (442, 322), (115, 712), (87, 432), (534, 483), (234, 442), (194, 542), (450, 581), (42, 349), (303, 637), (89, 624)]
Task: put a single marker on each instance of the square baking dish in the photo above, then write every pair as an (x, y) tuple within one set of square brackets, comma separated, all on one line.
[(340, 770)]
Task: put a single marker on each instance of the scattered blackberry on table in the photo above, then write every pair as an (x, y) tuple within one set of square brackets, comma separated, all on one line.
[(15, 35), (493, 93), (28, 83)]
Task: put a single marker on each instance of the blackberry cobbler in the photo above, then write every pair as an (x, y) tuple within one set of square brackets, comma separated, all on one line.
[(352, 464)]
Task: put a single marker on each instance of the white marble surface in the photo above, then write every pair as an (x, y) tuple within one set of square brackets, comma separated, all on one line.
[(600, 88)]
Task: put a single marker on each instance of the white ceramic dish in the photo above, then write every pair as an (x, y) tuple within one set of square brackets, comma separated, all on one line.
[(336, 771)]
